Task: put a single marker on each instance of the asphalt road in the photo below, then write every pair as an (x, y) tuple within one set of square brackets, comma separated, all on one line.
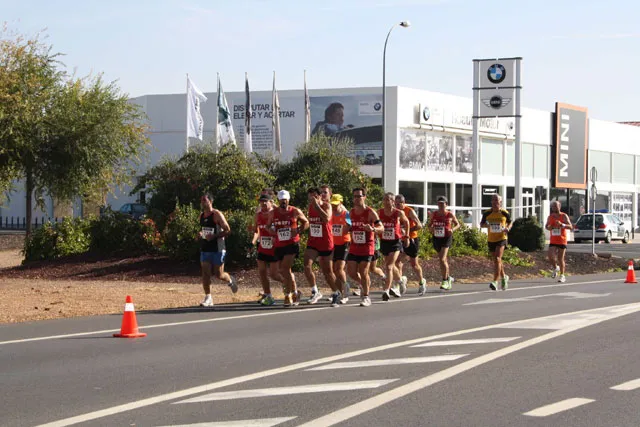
[(540, 354), (629, 250)]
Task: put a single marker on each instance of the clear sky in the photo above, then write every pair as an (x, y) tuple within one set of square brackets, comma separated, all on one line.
[(582, 52)]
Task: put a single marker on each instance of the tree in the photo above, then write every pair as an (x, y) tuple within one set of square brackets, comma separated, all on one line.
[(64, 136), (324, 160), (233, 178)]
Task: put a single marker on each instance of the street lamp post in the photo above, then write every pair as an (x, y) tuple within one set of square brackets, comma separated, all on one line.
[(404, 24)]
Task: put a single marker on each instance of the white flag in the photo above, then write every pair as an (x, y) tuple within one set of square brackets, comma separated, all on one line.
[(275, 118), (248, 144), (195, 124), (307, 110), (225, 127)]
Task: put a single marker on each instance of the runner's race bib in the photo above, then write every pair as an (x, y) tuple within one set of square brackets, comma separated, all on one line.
[(336, 230), (438, 231), (207, 231), (315, 230), (359, 237), (388, 234), (266, 242), (556, 232), (495, 228), (284, 234)]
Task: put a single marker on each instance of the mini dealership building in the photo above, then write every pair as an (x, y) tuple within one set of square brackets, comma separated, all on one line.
[(428, 148)]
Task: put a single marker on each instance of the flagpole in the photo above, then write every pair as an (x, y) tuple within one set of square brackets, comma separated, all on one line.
[(186, 129)]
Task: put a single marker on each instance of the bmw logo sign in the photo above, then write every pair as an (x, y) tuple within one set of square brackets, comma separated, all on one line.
[(495, 102), (377, 106), (496, 73), (426, 114)]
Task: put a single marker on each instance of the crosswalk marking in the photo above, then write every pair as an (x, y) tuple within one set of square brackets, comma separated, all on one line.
[(464, 342), (628, 386), (266, 422), (386, 362), (554, 408), (282, 391)]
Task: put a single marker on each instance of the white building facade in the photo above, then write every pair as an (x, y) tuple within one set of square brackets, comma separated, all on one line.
[(428, 147)]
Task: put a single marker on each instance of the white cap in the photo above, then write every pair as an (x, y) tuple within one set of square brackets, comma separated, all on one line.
[(283, 194)]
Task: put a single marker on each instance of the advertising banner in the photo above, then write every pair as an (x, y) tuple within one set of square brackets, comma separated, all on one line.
[(570, 145)]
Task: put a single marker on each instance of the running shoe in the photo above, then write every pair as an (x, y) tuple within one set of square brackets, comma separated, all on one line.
[(335, 299), (505, 283), (315, 298), (555, 272), (394, 292), (233, 285), (562, 279), (385, 296), (446, 284), (356, 292), (403, 285), (288, 300), (344, 300), (493, 285), (207, 301), (422, 289), (297, 297), (365, 302), (267, 300)]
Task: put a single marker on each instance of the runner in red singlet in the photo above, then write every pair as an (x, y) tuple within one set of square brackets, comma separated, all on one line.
[(558, 223), (287, 222), (364, 222), (320, 243), (442, 224), (265, 239), (394, 235)]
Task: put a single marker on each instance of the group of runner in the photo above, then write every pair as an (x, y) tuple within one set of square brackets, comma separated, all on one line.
[(345, 244)]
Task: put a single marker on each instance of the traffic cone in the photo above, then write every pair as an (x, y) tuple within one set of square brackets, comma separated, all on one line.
[(129, 327), (631, 274)]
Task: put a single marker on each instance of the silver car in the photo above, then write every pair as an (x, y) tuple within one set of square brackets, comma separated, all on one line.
[(608, 227)]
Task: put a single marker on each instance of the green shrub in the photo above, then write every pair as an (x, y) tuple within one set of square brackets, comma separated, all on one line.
[(238, 243), (527, 235), (513, 256), (115, 233), (180, 236), (52, 241), (469, 241), (426, 249)]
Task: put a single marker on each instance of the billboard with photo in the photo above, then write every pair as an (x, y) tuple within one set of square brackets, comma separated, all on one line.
[(570, 144), (358, 117)]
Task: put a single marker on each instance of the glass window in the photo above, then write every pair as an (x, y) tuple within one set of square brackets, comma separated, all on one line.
[(527, 160), (621, 205), (623, 168), (412, 149), (541, 161), (464, 150), (412, 191), (511, 158), (602, 162), (435, 189), (602, 201), (491, 154), (463, 195)]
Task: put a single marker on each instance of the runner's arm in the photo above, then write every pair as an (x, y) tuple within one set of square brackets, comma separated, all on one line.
[(456, 223), (507, 219), (324, 210), (254, 240), (483, 220), (404, 223), (414, 217), (224, 225), (375, 220), (568, 224), (302, 220)]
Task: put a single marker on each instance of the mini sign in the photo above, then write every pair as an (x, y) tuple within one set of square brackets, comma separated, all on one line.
[(570, 145)]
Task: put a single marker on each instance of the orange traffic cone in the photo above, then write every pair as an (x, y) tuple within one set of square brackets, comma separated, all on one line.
[(129, 327), (631, 274)]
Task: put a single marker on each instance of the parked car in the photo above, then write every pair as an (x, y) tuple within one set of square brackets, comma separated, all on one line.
[(135, 210), (608, 227)]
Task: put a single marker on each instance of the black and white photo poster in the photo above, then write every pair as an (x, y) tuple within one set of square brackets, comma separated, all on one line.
[(439, 152), (463, 154), (412, 149)]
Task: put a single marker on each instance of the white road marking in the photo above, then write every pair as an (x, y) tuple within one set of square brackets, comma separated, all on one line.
[(284, 312), (266, 422), (566, 295), (619, 310), (564, 321), (465, 342), (379, 400), (628, 386), (389, 362), (554, 408), (284, 391)]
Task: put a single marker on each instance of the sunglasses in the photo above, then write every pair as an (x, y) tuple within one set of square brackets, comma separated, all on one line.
[(358, 196)]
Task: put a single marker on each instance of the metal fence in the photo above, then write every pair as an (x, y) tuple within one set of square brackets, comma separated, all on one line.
[(20, 223)]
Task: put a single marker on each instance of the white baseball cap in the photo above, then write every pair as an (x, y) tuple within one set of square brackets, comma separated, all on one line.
[(283, 194)]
